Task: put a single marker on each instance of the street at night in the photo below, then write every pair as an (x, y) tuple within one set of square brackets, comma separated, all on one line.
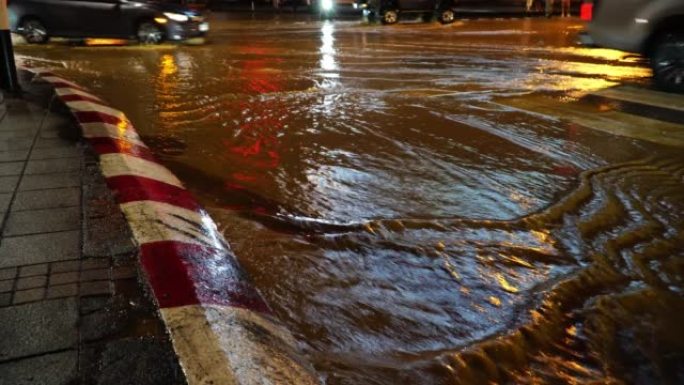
[(481, 202)]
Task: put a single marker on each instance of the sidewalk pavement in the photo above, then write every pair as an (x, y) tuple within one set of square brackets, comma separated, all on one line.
[(72, 309)]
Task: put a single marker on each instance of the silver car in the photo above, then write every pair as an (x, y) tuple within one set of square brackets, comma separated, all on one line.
[(654, 28)]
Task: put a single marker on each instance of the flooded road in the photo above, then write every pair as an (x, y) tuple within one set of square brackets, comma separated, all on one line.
[(477, 203)]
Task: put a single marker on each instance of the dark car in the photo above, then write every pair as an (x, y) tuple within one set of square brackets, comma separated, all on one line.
[(653, 28), (149, 22), (447, 10), (389, 10)]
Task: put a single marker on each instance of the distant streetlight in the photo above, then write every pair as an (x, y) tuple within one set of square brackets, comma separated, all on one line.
[(8, 69)]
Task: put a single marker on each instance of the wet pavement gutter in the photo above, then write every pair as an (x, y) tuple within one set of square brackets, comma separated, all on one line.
[(221, 329)]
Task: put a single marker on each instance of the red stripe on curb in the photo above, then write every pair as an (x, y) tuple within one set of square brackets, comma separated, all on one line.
[(104, 145), (100, 117), (185, 274), (81, 98), (131, 188), (60, 84)]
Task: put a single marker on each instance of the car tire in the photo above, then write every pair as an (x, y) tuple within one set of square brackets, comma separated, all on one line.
[(389, 16), (149, 33), (447, 16), (34, 31), (667, 62)]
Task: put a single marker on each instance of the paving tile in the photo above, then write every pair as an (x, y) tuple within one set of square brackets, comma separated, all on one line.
[(11, 168), (124, 272), (5, 299), (106, 236), (55, 369), (30, 295), (4, 202), (8, 183), (13, 155), (43, 221), (8, 273), (45, 199), (59, 153), (66, 266), (6, 285), (54, 143), (49, 166), (15, 144), (62, 278), (94, 288), (60, 291), (94, 275), (31, 282), (18, 133), (40, 248), (46, 181), (37, 328), (95, 263), (28, 271), (19, 119)]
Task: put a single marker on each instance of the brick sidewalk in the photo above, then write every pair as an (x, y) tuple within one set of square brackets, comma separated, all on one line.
[(72, 310)]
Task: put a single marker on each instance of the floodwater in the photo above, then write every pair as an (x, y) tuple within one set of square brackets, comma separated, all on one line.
[(407, 224)]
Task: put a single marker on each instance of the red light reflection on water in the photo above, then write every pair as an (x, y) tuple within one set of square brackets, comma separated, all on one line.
[(256, 148)]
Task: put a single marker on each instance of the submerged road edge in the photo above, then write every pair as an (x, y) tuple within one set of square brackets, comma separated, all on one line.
[(222, 330)]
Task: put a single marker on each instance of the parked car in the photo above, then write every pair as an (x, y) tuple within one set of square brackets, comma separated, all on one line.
[(653, 28), (447, 10), (149, 22), (389, 10)]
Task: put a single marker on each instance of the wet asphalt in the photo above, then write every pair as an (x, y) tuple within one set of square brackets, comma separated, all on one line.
[(427, 204)]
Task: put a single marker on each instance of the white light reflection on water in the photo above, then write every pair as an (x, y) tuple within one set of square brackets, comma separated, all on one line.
[(328, 59)]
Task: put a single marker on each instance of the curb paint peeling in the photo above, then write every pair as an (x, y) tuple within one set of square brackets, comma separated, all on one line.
[(222, 330)]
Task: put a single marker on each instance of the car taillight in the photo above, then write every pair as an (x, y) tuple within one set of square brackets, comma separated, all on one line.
[(587, 11)]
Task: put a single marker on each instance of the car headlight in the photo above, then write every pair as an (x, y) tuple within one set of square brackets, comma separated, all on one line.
[(177, 17), (327, 5)]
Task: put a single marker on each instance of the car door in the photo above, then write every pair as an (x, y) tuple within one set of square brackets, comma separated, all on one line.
[(416, 5), (492, 6), (101, 18)]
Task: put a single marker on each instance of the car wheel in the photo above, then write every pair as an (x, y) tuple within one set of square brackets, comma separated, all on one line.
[(390, 17), (34, 32), (150, 33), (447, 16), (667, 61)]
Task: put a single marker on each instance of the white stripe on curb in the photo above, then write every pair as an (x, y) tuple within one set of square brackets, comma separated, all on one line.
[(241, 353), (152, 221), (84, 106), (106, 130), (121, 164), (65, 91)]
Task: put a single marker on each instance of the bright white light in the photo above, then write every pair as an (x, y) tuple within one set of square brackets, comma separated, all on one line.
[(176, 17), (641, 21), (327, 5)]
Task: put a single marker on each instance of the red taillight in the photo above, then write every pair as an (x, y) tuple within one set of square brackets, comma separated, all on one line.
[(587, 11)]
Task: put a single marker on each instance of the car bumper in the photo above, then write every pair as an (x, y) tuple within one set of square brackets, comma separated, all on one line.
[(182, 31), (585, 39)]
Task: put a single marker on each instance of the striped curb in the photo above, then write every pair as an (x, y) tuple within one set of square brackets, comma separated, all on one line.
[(222, 330)]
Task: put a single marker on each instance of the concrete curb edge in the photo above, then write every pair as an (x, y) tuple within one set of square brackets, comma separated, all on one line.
[(222, 330)]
